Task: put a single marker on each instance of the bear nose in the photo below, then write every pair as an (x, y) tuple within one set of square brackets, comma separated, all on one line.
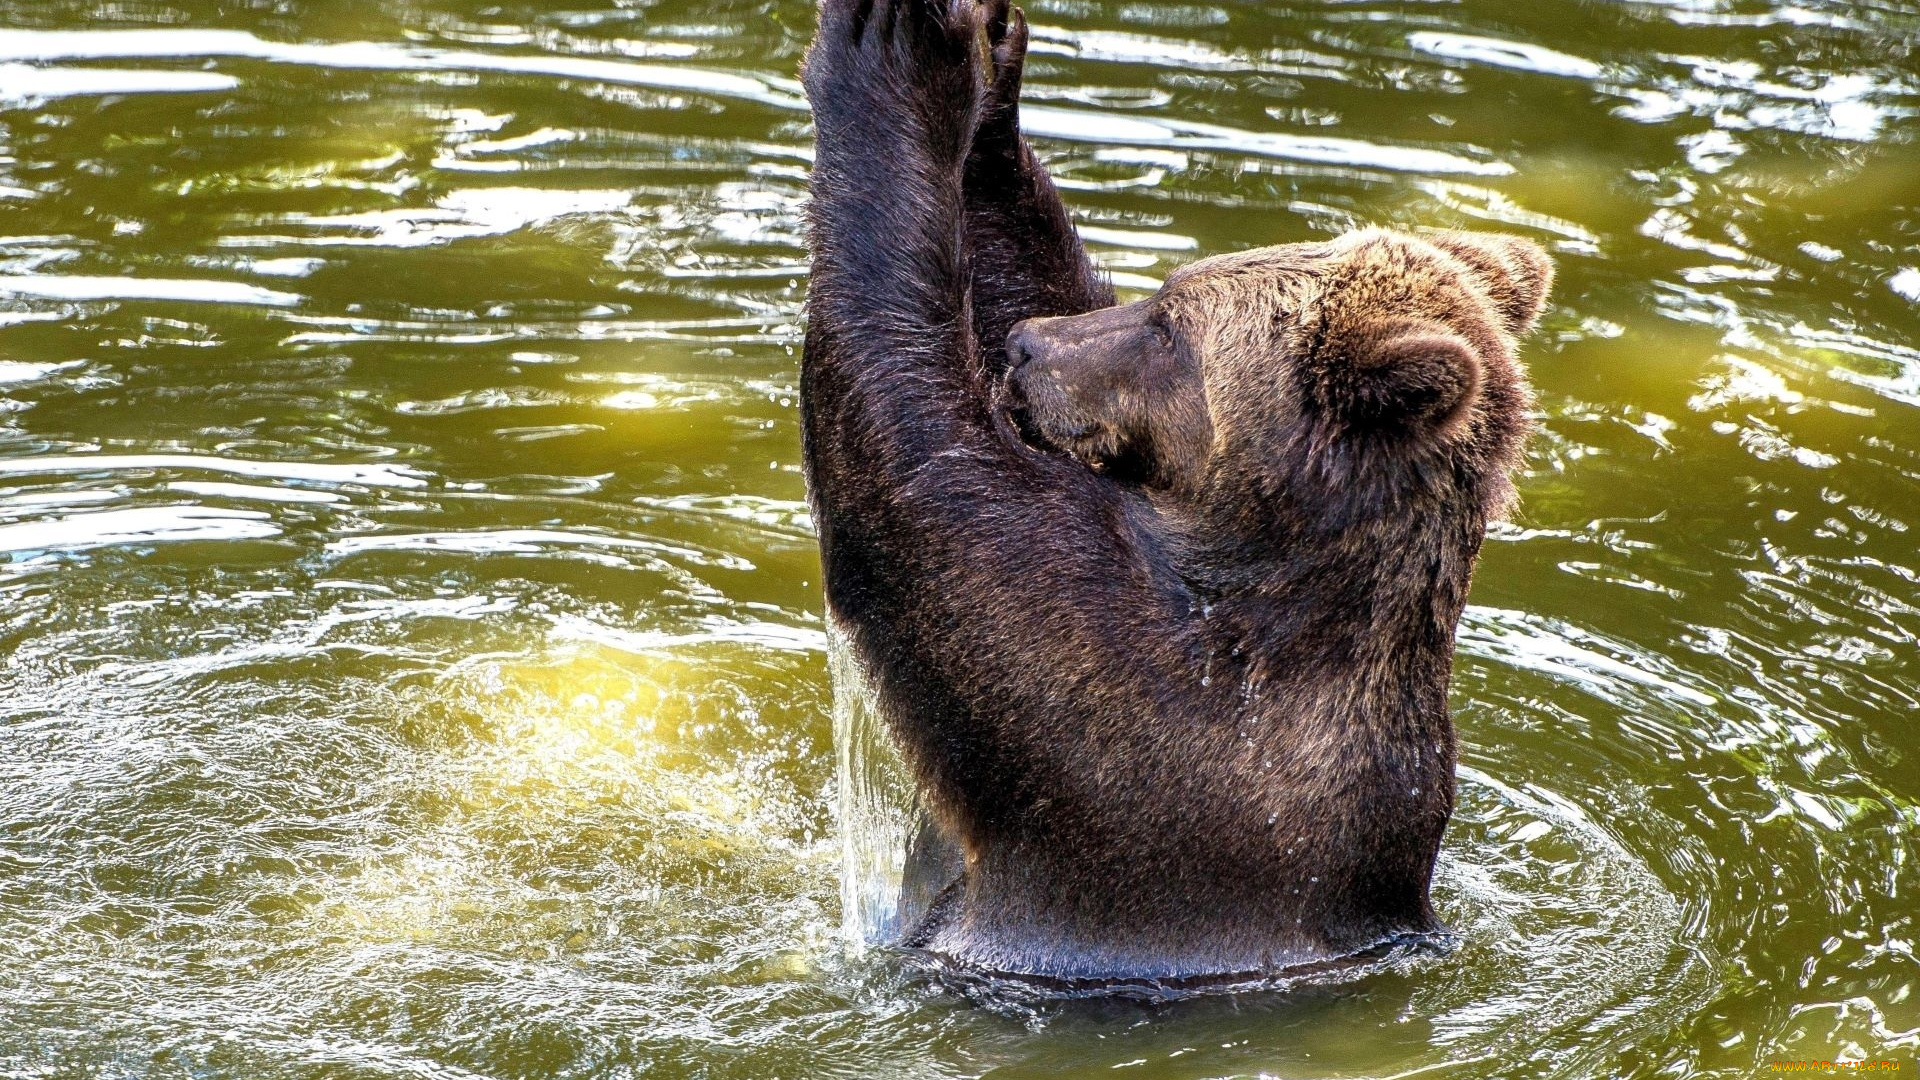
[(1024, 343)]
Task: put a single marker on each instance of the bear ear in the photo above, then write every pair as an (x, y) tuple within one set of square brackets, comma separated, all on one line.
[(1515, 273), (1419, 375)]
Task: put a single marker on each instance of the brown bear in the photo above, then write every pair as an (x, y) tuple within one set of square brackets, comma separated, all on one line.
[(1158, 599)]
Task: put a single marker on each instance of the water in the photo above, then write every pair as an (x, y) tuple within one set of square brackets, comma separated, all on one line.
[(877, 811), (411, 659)]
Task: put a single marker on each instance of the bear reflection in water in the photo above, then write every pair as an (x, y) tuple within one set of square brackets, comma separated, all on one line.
[(1159, 599)]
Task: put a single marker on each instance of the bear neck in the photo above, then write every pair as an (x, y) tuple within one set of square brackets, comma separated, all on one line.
[(1367, 601)]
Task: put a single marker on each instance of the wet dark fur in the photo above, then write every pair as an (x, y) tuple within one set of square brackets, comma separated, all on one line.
[(1163, 618)]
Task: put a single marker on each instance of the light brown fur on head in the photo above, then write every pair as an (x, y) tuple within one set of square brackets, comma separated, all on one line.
[(1378, 355)]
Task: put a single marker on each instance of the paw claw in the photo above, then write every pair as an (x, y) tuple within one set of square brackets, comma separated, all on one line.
[(996, 12), (1011, 50)]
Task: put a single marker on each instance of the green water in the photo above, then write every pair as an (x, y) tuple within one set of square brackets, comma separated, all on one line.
[(411, 661)]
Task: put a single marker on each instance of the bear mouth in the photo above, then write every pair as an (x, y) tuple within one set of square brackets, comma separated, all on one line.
[(1021, 418), (1082, 441), (1078, 446), (1018, 414)]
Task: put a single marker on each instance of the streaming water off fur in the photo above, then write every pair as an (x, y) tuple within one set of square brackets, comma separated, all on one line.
[(411, 660)]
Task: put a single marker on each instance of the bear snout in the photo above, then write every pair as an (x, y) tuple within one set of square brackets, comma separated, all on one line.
[(1025, 342)]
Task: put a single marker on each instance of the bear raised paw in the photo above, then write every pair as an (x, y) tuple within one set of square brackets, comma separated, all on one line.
[(1159, 599)]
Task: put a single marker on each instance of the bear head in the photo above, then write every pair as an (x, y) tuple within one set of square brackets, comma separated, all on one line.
[(1351, 376)]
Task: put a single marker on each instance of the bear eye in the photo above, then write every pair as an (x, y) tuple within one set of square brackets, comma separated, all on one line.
[(1161, 329)]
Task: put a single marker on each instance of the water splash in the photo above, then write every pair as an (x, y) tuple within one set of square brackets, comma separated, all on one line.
[(877, 804)]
